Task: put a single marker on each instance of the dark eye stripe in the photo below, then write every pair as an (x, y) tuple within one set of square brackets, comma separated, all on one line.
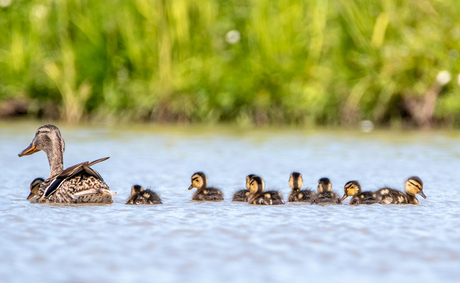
[(415, 184), (348, 186)]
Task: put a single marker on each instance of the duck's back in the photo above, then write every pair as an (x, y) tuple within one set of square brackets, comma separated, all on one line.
[(80, 188), (391, 196), (241, 195), (328, 198), (364, 198), (208, 194), (144, 197), (268, 198), (76, 184), (302, 196)]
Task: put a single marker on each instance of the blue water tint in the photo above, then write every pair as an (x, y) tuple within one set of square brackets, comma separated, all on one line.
[(183, 240)]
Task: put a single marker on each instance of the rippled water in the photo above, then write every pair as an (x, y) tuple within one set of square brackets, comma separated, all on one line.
[(183, 241)]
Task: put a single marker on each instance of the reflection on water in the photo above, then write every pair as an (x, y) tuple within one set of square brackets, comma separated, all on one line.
[(183, 240)]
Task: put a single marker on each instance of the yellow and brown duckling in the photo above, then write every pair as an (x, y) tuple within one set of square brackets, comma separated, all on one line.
[(353, 189), (141, 196), (203, 192), (259, 196), (325, 194), (35, 187), (298, 195), (413, 186), (243, 195), (77, 184)]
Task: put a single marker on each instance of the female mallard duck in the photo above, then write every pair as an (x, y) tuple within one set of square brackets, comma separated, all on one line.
[(413, 186), (141, 196), (325, 194), (297, 195), (204, 192), (259, 196), (35, 187), (76, 184), (353, 189), (243, 195)]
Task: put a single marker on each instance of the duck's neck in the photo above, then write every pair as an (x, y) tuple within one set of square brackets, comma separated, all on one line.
[(412, 199), (55, 157)]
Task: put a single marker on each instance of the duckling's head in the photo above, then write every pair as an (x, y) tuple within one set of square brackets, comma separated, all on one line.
[(324, 185), (199, 181), (135, 189), (248, 180), (47, 138), (34, 187), (414, 185), (295, 181), (256, 184), (351, 189)]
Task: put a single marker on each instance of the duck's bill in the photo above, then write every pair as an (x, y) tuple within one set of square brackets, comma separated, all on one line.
[(31, 195), (31, 149), (343, 198), (422, 194), (191, 187)]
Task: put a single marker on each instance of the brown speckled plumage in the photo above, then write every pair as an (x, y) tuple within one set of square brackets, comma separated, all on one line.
[(76, 184)]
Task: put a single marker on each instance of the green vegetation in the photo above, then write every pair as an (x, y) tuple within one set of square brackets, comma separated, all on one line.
[(286, 61)]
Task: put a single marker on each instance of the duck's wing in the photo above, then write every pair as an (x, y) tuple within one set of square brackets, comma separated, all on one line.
[(70, 172)]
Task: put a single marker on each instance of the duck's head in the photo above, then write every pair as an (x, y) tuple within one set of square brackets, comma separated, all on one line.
[(295, 181), (47, 138), (414, 185), (351, 189), (324, 185), (256, 184), (199, 181), (35, 187), (135, 189), (248, 179)]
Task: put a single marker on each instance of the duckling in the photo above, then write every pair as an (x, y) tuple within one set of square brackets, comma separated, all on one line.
[(325, 194), (141, 196), (35, 187), (353, 189), (259, 196), (297, 195), (243, 195), (77, 184), (200, 181), (413, 186)]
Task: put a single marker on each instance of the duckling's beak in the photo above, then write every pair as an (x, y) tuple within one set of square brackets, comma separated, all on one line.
[(31, 195), (31, 149), (422, 194), (344, 197), (191, 187)]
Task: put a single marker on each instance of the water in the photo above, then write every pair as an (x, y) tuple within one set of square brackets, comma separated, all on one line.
[(183, 241)]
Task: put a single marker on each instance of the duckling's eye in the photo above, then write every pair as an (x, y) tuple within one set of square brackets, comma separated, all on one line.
[(415, 185)]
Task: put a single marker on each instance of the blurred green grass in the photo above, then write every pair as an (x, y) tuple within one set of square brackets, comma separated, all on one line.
[(286, 62)]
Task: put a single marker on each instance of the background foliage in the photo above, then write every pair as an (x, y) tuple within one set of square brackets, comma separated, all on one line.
[(245, 61)]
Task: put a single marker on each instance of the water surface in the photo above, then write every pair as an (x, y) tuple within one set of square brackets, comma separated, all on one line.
[(183, 240)]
